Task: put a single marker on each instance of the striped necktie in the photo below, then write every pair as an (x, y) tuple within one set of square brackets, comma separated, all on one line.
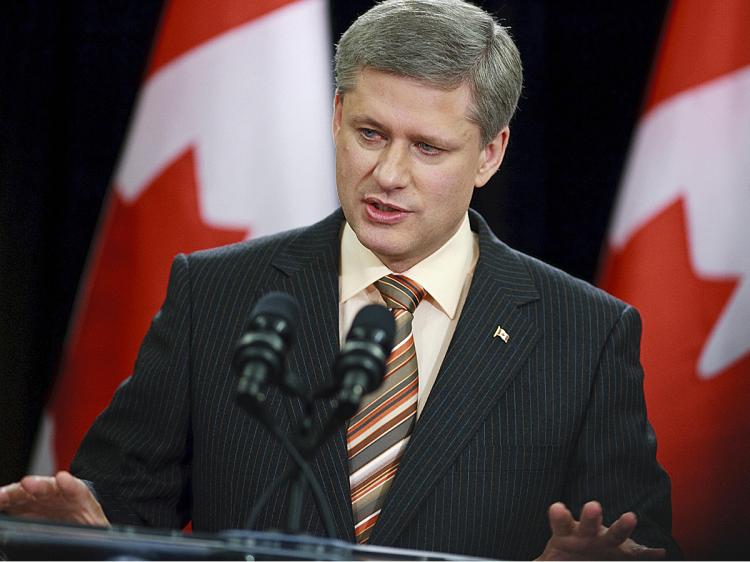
[(379, 432)]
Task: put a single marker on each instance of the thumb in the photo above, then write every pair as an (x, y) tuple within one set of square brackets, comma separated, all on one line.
[(72, 488)]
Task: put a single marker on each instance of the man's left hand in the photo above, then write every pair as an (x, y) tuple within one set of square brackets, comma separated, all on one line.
[(589, 539)]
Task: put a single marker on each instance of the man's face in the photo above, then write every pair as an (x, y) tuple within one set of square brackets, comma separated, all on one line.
[(407, 161)]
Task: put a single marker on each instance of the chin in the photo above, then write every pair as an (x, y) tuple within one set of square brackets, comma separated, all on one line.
[(380, 247)]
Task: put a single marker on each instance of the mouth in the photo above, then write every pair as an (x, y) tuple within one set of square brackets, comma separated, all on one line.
[(384, 207), (384, 213)]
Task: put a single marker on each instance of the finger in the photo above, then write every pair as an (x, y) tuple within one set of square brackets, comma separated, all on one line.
[(4, 499), (591, 520), (634, 551), (81, 501), (40, 487), (652, 554), (71, 488), (560, 519), (14, 496), (621, 529)]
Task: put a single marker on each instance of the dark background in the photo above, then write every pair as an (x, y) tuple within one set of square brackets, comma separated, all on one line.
[(69, 74)]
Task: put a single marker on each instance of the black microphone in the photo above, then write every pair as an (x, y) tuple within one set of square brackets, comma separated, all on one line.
[(259, 357), (360, 366)]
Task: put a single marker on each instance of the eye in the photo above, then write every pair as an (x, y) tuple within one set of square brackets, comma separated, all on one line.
[(369, 134), (429, 149)]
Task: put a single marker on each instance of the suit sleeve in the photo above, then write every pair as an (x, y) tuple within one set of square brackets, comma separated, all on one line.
[(615, 458), (137, 454)]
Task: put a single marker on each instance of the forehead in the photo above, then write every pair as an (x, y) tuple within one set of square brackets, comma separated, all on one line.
[(403, 102)]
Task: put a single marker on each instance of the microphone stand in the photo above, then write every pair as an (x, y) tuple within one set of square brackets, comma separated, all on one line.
[(308, 442), (299, 478), (360, 366), (301, 448)]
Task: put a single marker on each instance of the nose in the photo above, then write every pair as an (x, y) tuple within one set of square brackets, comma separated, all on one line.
[(392, 168)]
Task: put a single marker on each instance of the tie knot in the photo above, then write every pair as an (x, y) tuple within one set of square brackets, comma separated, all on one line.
[(400, 292)]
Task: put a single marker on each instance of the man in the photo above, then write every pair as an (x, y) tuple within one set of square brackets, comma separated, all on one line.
[(529, 389)]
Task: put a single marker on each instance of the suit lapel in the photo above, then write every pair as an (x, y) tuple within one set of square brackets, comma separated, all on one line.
[(310, 266), (474, 375)]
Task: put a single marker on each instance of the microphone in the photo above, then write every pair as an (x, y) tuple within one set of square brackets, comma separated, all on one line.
[(259, 358), (360, 366), (261, 350)]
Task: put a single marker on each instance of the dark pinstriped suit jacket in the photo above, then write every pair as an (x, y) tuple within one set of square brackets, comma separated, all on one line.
[(557, 413)]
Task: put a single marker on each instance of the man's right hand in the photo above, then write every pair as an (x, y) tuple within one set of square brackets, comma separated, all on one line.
[(62, 497)]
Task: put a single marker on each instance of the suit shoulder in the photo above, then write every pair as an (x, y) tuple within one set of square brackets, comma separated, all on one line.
[(228, 277), (264, 260), (299, 243), (259, 250), (551, 280), (528, 278)]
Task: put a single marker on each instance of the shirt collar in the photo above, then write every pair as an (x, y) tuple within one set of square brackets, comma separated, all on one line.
[(442, 274)]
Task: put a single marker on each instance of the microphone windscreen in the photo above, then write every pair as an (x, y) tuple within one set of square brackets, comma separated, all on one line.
[(278, 304), (277, 312), (372, 319)]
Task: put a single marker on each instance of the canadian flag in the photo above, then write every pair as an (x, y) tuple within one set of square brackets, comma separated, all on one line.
[(679, 250), (230, 139)]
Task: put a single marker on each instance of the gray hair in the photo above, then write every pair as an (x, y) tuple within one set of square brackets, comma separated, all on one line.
[(443, 43)]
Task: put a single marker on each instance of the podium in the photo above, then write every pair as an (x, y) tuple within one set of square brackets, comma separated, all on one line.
[(27, 539)]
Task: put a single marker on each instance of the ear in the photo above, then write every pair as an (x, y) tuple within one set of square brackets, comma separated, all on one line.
[(491, 157), (338, 101)]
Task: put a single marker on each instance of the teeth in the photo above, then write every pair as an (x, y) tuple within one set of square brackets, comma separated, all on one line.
[(384, 207)]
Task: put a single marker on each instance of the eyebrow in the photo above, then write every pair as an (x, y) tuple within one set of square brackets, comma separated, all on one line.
[(362, 119)]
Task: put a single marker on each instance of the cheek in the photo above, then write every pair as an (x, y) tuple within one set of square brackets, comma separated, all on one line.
[(346, 157), (450, 190), (343, 166), (354, 164)]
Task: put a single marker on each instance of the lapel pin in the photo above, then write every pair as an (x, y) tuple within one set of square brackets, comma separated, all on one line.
[(502, 334)]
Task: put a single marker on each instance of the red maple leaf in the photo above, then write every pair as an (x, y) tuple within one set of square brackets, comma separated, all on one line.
[(124, 289), (702, 425)]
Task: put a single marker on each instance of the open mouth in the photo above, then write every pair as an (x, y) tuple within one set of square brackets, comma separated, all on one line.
[(378, 205), (382, 207), (383, 213)]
